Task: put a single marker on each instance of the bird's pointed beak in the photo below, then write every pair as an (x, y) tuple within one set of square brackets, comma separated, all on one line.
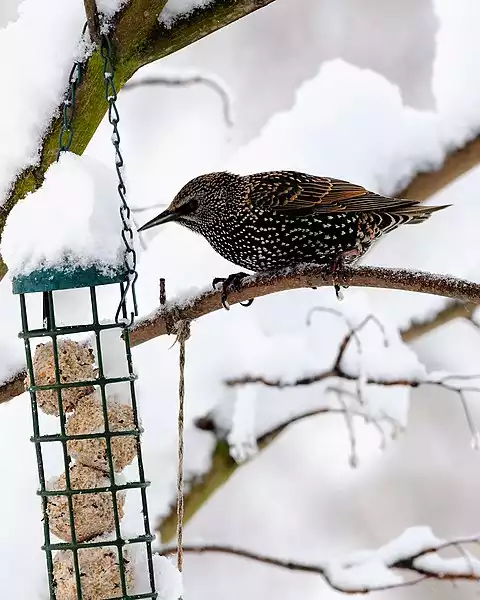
[(163, 217)]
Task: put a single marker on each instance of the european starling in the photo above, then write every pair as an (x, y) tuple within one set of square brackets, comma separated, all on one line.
[(270, 221)]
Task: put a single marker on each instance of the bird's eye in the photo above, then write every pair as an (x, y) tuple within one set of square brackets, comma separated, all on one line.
[(190, 206)]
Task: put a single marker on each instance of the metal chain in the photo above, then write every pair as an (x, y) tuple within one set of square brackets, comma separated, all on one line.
[(68, 109), (66, 135), (65, 141), (127, 231)]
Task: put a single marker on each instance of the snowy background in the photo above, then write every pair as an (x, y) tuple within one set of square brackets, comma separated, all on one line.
[(368, 92)]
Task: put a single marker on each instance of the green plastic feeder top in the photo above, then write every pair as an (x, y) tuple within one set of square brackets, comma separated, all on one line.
[(67, 276)]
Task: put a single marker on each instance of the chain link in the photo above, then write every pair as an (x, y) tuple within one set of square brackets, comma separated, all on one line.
[(127, 231), (68, 108)]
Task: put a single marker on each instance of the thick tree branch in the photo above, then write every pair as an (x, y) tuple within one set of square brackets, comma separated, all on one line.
[(394, 568), (425, 184), (138, 39)]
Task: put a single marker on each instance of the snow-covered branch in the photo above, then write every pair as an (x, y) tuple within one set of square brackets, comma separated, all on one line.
[(223, 465), (13, 387), (348, 402), (407, 560), (460, 384), (425, 184)]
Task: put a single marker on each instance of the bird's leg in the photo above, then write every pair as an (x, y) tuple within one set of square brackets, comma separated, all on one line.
[(229, 284), (337, 265)]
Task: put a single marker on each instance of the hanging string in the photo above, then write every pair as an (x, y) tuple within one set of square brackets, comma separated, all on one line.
[(183, 333)]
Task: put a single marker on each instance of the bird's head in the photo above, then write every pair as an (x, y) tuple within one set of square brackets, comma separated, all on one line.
[(197, 201)]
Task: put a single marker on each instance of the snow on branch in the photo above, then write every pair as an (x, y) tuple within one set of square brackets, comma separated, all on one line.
[(458, 383), (427, 183), (411, 558)]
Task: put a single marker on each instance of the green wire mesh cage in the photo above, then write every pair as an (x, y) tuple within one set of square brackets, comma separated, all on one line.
[(84, 566)]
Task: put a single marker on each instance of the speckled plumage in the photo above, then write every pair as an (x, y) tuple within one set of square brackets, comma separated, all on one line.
[(280, 219)]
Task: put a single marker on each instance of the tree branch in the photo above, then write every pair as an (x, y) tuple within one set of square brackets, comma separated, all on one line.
[(310, 276), (13, 387), (455, 310), (186, 81), (392, 566), (223, 465), (162, 321), (470, 383), (425, 184), (93, 21), (138, 39)]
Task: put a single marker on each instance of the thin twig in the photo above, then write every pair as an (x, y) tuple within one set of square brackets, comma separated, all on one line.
[(453, 310), (168, 81), (352, 438), (162, 292), (409, 565)]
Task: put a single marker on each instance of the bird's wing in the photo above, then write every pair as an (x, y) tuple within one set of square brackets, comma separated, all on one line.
[(293, 192)]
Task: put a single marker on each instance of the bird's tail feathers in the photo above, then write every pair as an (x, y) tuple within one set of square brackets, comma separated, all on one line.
[(418, 213)]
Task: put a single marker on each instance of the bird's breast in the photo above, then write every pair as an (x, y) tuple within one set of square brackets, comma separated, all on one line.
[(262, 240)]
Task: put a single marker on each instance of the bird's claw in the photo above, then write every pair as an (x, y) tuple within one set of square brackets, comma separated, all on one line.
[(335, 268), (338, 292), (229, 284)]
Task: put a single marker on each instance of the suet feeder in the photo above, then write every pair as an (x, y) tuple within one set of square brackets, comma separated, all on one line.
[(87, 499), (69, 377)]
